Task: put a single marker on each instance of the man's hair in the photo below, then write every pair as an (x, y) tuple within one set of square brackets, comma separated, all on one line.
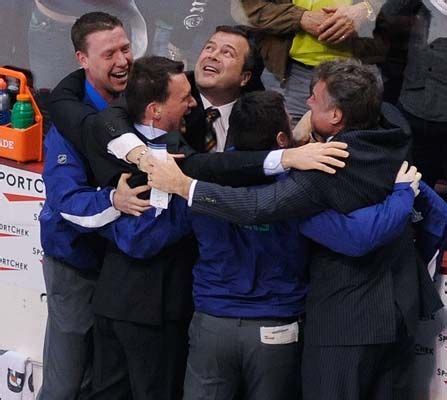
[(250, 57), (354, 88), (148, 81), (256, 119), (90, 23)]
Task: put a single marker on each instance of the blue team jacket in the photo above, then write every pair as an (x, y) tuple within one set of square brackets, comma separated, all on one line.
[(69, 197), (259, 271)]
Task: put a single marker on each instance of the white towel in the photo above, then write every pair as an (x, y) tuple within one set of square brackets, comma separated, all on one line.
[(16, 376)]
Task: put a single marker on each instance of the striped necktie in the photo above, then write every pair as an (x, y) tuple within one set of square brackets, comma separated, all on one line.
[(210, 135)]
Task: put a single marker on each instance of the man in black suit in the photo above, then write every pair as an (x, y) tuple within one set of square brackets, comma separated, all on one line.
[(362, 312), (224, 70), (143, 307)]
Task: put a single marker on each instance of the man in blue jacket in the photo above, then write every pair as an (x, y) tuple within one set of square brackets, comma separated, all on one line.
[(72, 259)]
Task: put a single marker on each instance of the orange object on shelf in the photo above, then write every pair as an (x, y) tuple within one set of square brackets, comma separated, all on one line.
[(22, 145)]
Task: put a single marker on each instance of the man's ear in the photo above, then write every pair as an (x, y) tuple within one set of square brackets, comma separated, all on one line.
[(152, 112), (337, 116), (82, 59), (282, 140), (246, 75)]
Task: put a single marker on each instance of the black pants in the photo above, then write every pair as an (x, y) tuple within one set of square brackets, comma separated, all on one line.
[(366, 372), (139, 362)]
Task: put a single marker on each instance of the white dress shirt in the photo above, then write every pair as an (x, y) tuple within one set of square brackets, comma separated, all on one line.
[(221, 123)]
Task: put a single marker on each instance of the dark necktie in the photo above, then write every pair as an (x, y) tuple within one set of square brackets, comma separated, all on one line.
[(210, 135)]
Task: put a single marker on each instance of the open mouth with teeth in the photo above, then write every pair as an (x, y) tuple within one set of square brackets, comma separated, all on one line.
[(119, 75), (210, 69)]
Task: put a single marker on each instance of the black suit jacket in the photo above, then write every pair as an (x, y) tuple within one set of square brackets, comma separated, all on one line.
[(351, 300), (147, 291), (196, 120)]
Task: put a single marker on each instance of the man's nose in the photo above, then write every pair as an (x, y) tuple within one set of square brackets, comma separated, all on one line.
[(214, 53), (121, 59)]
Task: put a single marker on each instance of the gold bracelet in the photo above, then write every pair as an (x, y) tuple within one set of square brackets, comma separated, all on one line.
[(371, 15)]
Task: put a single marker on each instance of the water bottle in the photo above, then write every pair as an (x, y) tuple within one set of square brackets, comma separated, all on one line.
[(22, 115), (5, 112), (13, 89)]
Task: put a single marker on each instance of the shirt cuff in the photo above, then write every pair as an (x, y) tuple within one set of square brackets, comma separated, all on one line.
[(191, 192), (122, 145), (112, 192), (272, 163)]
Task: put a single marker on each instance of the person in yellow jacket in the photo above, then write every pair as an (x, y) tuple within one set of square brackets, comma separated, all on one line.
[(298, 35)]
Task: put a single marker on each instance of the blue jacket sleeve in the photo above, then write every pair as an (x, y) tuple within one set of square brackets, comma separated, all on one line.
[(67, 188), (433, 226), (363, 230), (147, 235)]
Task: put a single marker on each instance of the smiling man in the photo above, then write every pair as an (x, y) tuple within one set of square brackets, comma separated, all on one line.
[(106, 58), (222, 72), (143, 306), (228, 73), (72, 259)]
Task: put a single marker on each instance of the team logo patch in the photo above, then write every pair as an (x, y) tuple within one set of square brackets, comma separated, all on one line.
[(192, 21), (62, 159), (16, 381)]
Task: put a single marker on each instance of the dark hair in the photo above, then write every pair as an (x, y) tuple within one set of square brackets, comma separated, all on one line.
[(250, 58), (148, 81), (354, 88), (90, 23), (255, 120)]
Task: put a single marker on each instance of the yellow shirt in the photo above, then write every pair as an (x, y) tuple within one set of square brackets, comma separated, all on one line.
[(307, 49)]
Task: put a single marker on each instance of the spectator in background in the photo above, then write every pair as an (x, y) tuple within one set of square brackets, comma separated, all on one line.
[(423, 96), (297, 35)]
